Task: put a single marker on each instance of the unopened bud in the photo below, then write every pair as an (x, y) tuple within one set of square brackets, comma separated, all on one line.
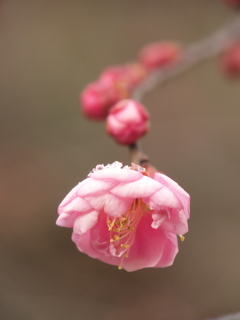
[(232, 2), (159, 54), (125, 77), (231, 60), (96, 100), (127, 121)]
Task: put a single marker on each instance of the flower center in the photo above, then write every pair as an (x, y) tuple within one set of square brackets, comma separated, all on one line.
[(123, 229)]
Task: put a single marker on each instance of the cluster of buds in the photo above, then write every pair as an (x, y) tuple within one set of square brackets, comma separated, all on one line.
[(109, 97), (114, 84)]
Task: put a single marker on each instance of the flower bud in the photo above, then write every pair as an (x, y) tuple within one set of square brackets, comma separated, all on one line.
[(135, 74), (112, 75), (231, 60), (97, 98), (127, 121), (232, 2), (158, 54), (124, 77)]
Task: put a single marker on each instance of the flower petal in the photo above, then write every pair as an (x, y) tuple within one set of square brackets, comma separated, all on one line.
[(130, 113), (148, 246), (173, 221), (158, 218), (89, 243), (169, 252), (77, 205), (69, 212), (94, 186), (83, 243), (162, 178), (143, 187), (182, 195), (111, 204), (114, 124), (71, 194), (85, 222), (66, 220), (176, 223), (123, 175), (163, 198)]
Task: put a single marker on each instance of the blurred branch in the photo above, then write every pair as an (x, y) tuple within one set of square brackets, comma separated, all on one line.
[(233, 316), (139, 158), (193, 54)]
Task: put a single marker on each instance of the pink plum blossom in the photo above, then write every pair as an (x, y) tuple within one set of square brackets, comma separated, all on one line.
[(127, 121), (98, 97), (159, 54), (123, 217)]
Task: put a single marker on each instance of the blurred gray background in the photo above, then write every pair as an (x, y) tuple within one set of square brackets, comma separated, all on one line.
[(49, 50)]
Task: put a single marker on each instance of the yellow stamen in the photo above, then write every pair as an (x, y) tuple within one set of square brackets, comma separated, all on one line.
[(125, 246), (122, 229), (182, 238)]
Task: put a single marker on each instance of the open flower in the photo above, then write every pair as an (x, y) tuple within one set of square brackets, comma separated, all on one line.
[(123, 217)]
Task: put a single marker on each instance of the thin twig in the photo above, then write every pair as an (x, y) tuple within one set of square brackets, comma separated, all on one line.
[(136, 155), (233, 316), (191, 55)]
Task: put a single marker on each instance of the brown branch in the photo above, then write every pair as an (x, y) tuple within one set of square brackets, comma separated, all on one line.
[(233, 316), (139, 158), (191, 55)]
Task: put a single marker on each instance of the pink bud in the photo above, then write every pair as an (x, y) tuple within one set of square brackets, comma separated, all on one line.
[(97, 98), (232, 2), (127, 121), (135, 73), (231, 60), (124, 76), (112, 75), (159, 54)]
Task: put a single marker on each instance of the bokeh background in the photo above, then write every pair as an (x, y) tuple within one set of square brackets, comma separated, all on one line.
[(49, 50)]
